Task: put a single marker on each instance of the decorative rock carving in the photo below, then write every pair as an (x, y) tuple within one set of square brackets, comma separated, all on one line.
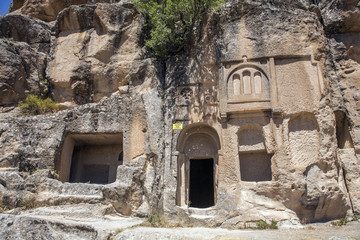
[(209, 95), (187, 94), (209, 73), (248, 84), (197, 95)]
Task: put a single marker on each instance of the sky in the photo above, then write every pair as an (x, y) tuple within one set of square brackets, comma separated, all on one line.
[(4, 6)]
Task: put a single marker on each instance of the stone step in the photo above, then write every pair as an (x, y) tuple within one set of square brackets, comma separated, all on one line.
[(202, 211), (202, 217)]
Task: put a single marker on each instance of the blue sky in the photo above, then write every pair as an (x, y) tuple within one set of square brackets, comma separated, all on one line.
[(4, 6)]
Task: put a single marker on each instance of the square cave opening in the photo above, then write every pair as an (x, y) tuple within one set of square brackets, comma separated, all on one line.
[(255, 166), (91, 158)]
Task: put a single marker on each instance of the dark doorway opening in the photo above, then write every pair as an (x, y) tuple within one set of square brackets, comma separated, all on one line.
[(255, 167), (201, 189)]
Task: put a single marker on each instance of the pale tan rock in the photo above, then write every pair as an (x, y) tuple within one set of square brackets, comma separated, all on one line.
[(46, 10), (93, 51), (262, 107), (123, 89), (350, 164)]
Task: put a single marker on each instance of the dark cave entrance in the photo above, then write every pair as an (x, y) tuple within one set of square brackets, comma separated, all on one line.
[(201, 189), (91, 158)]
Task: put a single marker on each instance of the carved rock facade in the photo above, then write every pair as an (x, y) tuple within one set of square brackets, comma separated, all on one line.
[(258, 120)]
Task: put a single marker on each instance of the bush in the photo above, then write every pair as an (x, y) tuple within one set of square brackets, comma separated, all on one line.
[(261, 224), (340, 222), (34, 105), (171, 22)]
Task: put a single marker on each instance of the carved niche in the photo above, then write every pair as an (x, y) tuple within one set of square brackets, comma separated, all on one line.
[(248, 84)]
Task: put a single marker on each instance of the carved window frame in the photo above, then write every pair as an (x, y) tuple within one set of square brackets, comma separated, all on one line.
[(236, 79)]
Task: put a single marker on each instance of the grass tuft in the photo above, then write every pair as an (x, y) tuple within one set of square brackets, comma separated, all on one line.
[(156, 220), (261, 224)]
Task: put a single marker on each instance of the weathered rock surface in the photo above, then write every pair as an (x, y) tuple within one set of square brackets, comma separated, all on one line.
[(340, 16), (24, 45), (42, 146), (22, 28), (265, 100), (342, 27), (99, 221), (95, 49), (307, 183), (21, 71), (83, 221), (47, 10)]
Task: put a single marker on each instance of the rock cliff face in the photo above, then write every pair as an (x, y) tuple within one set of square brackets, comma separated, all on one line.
[(257, 119), (48, 10)]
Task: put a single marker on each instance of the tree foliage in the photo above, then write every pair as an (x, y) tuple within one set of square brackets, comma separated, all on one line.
[(171, 22)]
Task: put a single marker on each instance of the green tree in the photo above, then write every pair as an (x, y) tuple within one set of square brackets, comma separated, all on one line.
[(171, 22)]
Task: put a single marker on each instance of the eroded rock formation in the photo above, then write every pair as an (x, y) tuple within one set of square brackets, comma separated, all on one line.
[(257, 119)]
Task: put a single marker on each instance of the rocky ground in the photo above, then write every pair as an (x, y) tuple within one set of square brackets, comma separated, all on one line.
[(90, 57), (97, 221), (351, 231)]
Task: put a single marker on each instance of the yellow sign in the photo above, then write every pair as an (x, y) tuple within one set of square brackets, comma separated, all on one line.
[(177, 126)]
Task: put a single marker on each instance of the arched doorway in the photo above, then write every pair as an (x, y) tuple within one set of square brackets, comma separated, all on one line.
[(198, 146)]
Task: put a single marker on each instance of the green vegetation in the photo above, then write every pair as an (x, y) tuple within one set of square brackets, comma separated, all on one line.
[(46, 90), (37, 170), (56, 175), (156, 220), (343, 221), (340, 222), (261, 224), (34, 105), (273, 225), (171, 22)]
